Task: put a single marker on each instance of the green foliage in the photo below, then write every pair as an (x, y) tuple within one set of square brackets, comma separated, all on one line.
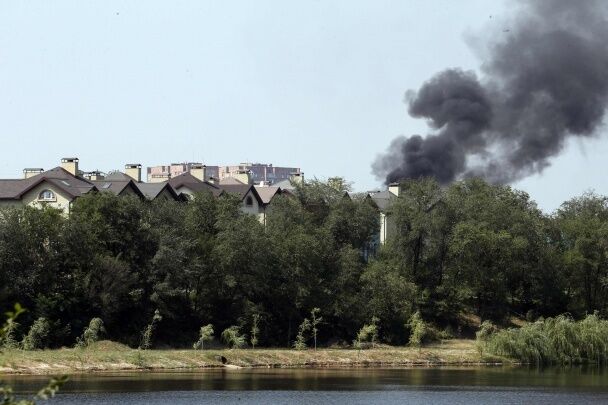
[(467, 248), (147, 334), (91, 334), (303, 329), (559, 340), (38, 335), (315, 320), (255, 330), (367, 335), (233, 338), (205, 335), (418, 330)]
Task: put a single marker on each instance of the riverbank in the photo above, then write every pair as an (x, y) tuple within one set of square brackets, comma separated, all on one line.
[(109, 356)]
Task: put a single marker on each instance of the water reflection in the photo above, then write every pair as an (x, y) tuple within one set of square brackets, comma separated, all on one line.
[(571, 379)]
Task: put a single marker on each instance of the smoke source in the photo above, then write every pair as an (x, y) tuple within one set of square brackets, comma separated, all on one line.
[(544, 81)]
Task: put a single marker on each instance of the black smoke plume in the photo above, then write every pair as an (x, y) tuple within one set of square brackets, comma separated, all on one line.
[(544, 80)]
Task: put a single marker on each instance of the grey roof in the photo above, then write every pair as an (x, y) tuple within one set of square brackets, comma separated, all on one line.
[(117, 186), (153, 190), (383, 199), (267, 193), (73, 186), (285, 185), (194, 184), (241, 190)]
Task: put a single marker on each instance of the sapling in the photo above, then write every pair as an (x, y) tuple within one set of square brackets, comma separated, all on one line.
[(255, 330), (206, 335)]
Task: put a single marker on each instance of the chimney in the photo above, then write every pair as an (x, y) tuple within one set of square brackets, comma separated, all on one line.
[(199, 171), (296, 177), (394, 188), (244, 176), (133, 170), (31, 172), (71, 165)]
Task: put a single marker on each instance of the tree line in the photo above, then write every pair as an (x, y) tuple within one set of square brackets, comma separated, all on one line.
[(469, 250)]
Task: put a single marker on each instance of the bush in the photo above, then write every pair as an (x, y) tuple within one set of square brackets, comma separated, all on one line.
[(418, 330), (300, 343), (91, 334), (233, 338), (146, 335), (205, 335), (37, 337), (559, 340), (367, 335)]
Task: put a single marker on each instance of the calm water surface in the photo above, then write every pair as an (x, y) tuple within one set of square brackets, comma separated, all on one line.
[(333, 386)]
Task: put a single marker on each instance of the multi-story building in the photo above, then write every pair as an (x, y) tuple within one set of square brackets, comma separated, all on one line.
[(256, 172), (157, 174)]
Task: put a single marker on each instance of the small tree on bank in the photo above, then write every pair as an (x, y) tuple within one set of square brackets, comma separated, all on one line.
[(300, 343), (205, 335), (91, 334), (146, 336), (315, 321), (233, 338), (367, 334), (255, 330), (37, 337)]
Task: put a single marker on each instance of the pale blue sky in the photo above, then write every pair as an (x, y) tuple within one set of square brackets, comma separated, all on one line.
[(314, 84)]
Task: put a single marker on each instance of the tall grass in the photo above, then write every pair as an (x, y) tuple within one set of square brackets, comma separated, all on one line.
[(559, 340)]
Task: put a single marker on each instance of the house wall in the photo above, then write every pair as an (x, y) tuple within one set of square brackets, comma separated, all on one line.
[(62, 200), (387, 227), (10, 204)]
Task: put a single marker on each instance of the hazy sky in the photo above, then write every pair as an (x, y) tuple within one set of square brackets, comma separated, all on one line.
[(313, 84)]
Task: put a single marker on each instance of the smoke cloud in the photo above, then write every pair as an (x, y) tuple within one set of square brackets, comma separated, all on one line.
[(545, 80)]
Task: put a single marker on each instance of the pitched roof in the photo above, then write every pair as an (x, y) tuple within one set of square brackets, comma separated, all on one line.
[(195, 184), (117, 186), (230, 181), (153, 190), (383, 199), (267, 193), (73, 186), (285, 185), (241, 190)]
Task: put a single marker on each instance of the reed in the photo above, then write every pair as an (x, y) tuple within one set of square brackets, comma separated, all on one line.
[(559, 340)]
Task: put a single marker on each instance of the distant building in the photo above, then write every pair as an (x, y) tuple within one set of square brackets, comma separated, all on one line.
[(252, 173)]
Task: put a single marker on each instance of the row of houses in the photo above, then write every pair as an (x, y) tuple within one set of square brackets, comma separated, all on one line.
[(61, 186)]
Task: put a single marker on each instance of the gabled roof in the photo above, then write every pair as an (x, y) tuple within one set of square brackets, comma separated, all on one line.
[(285, 185), (267, 193), (117, 186), (153, 190), (196, 185), (230, 181), (241, 190), (73, 186), (383, 199)]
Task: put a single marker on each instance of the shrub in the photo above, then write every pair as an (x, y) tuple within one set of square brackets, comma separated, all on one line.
[(559, 340), (205, 335), (300, 343), (255, 330), (418, 330), (37, 337), (367, 335), (233, 338), (92, 333), (146, 335)]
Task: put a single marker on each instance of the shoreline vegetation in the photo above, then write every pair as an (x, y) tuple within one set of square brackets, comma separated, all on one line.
[(106, 356)]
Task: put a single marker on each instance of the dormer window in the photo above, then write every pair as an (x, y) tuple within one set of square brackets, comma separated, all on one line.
[(249, 201), (47, 195)]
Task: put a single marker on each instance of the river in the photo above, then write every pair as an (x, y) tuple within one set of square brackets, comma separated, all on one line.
[(478, 385)]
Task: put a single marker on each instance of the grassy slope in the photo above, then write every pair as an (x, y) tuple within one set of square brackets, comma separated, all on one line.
[(108, 356)]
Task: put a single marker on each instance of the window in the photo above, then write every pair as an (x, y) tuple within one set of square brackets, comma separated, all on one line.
[(249, 201), (46, 195)]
